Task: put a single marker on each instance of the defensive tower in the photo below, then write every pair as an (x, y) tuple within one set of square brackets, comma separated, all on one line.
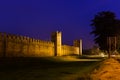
[(56, 37), (78, 43)]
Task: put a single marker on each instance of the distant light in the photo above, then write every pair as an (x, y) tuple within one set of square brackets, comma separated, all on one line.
[(102, 54)]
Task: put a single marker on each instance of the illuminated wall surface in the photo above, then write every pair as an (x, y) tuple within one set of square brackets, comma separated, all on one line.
[(21, 46)]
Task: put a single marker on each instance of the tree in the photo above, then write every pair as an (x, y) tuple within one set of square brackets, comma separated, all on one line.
[(105, 25)]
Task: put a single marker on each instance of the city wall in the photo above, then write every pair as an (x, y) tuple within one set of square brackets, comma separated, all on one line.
[(69, 50), (22, 46)]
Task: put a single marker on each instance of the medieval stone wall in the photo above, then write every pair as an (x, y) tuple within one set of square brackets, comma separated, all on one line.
[(69, 50), (22, 46)]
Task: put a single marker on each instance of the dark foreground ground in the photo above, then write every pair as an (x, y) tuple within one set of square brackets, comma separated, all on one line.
[(49, 68)]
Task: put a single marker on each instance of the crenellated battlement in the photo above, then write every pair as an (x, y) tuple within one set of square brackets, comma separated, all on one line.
[(22, 46)]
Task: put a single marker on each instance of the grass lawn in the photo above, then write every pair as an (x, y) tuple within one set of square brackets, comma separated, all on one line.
[(48, 68)]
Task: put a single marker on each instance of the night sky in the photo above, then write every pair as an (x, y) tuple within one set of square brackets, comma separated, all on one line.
[(38, 18)]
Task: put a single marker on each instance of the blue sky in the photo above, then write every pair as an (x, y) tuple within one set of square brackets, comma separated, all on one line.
[(38, 18)]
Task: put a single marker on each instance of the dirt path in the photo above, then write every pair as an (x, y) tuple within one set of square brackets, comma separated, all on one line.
[(108, 70)]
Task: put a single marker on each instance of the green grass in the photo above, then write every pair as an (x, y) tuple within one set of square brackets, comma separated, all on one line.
[(49, 68)]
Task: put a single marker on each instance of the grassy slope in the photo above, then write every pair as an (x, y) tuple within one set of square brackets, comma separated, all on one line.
[(44, 68)]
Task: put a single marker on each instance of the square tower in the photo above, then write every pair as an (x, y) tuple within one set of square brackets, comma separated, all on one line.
[(56, 37), (78, 43)]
